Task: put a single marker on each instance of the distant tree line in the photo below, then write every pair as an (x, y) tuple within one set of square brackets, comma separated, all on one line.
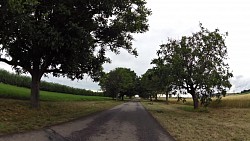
[(25, 81), (245, 91), (190, 65)]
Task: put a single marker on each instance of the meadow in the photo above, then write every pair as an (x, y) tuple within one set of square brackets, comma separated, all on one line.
[(232, 101), (228, 120), (17, 116), (14, 92)]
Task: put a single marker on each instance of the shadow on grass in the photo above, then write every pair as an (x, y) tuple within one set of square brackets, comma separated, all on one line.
[(191, 109)]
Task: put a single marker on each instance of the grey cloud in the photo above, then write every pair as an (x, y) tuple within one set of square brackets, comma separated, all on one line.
[(240, 83)]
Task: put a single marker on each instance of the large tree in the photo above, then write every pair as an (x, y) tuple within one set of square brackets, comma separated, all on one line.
[(151, 83), (119, 82), (66, 37), (164, 75), (198, 64)]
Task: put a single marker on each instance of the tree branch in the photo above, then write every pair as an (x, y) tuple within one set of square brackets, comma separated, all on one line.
[(53, 71), (7, 61), (15, 64)]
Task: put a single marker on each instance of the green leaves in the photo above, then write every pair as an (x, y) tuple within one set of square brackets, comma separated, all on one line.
[(197, 63), (118, 81), (21, 6), (68, 37)]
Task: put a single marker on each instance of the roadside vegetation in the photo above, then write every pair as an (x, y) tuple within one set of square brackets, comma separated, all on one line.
[(25, 81), (17, 116), (229, 122)]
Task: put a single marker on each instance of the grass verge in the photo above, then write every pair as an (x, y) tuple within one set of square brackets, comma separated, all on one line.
[(186, 124), (16, 116)]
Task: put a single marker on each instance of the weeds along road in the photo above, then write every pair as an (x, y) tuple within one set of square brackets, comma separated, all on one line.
[(126, 122)]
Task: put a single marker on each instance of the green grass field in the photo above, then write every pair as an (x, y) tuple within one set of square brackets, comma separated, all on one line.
[(9, 91), (17, 116)]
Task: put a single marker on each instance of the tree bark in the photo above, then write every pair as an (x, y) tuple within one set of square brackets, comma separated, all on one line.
[(195, 97), (196, 102), (167, 97), (156, 97), (35, 92), (117, 97)]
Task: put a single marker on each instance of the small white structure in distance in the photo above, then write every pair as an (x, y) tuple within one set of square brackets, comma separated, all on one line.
[(181, 95)]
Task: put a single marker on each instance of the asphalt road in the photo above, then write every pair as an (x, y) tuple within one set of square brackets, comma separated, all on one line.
[(126, 122)]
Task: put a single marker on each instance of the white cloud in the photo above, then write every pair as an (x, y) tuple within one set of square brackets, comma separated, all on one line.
[(240, 83)]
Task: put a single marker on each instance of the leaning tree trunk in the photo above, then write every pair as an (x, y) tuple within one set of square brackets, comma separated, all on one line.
[(35, 85)]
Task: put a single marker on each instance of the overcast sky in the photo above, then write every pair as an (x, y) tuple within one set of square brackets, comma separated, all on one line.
[(175, 18)]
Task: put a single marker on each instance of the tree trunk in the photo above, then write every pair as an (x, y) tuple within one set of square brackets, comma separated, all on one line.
[(156, 97), (195, 98), (117, 97), (150, 97), (35, 85), (196, 102), (167, 97)]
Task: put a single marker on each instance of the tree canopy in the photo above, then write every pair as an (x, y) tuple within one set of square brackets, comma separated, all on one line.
[(119, 82), (197, 64), (67, 37), (150, 84)]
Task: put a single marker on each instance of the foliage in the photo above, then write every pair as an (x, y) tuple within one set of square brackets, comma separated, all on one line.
[(150, 83), (197, 64), (139, 89), (120, 81), (163, 73), (245, 91), (67, 37), (24, 81)]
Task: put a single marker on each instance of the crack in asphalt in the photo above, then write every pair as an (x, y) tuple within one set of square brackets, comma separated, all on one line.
[(54, 136)]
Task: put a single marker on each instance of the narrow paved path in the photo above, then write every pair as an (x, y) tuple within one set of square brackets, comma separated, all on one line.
[(126, 122)]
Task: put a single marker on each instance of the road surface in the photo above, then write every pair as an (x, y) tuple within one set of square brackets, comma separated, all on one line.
[(126, 122)]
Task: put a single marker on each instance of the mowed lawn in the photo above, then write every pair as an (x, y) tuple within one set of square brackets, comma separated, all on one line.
[(17, 116), (228, 121)]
